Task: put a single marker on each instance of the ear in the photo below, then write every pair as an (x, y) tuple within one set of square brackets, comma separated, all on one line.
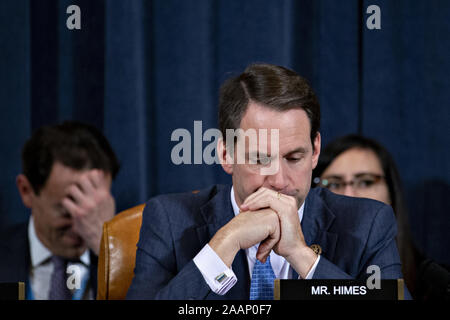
[(25, 189), (225, 159), (316, 152)]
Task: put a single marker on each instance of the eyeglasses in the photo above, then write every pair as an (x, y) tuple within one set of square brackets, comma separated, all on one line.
[(360, 182)]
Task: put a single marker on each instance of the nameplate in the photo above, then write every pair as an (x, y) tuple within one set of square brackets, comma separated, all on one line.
[(12, 291), (317, 289)]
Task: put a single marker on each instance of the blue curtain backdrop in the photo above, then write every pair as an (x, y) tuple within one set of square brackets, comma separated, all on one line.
[(140, 69)]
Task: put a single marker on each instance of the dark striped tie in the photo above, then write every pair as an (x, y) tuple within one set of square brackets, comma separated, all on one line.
[(58, 282)]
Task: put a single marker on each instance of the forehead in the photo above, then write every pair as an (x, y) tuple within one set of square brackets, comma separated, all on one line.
[(354, 161), (60, 178), (293, 125)]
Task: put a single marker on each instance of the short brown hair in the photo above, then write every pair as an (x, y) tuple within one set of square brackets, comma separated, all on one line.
[(74, 144), (276, 87)]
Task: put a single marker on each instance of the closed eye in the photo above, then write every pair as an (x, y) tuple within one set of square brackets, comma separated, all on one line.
[(294, 159), (295, 155)]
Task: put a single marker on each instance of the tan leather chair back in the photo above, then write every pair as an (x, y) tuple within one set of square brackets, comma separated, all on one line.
[(118, 253)]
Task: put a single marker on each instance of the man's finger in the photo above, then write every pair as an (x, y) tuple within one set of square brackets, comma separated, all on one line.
[(75, 193), (266, 246), (260, 194), (71, 207), (87, 186), (268, 201), (254, 195), (96, 176)]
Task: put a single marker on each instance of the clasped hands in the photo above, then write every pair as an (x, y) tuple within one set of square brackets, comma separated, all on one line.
[(271, 219)]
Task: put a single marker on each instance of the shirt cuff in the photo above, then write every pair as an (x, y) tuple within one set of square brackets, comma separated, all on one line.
[(217, 275), (313, 269)]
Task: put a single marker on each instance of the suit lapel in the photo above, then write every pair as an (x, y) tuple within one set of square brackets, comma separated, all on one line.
[(317, 219), (216, 213), (20, 253)]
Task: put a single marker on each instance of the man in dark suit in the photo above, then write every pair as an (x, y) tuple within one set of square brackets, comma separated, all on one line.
[(217, 243), (67, 174)]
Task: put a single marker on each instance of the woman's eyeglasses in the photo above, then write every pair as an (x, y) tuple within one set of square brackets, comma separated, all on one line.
[(360, 182)]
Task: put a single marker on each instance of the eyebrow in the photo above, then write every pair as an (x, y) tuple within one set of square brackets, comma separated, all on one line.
[(360, 174), (257, 153), (356, 175), (334, 176)]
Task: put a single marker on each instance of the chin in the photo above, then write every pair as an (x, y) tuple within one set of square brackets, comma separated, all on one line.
[(70, 253), (72, 248), (75, 253)]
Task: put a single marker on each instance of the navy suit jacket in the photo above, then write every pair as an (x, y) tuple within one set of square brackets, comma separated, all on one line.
[(15, 259), (353, 233)]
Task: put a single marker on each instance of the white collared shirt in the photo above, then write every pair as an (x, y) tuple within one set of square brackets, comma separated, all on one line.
[(221, 279), (42, 268)]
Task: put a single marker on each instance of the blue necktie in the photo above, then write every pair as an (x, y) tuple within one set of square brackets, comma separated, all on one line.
[(261, 287)]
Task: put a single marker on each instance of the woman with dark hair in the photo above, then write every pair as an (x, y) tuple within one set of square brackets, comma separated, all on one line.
[(360, 167), (375, 173)]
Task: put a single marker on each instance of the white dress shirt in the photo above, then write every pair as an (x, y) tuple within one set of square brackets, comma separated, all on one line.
[(221, 279), (42, 268)]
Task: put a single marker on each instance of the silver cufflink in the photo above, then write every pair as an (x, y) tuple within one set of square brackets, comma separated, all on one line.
[(221, 277)]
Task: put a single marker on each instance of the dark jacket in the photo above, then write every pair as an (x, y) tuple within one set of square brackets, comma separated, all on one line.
[(15, 259), (353, 233)]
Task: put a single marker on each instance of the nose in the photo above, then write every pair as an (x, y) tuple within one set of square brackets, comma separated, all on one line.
[(278, 180), (349, 191)]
